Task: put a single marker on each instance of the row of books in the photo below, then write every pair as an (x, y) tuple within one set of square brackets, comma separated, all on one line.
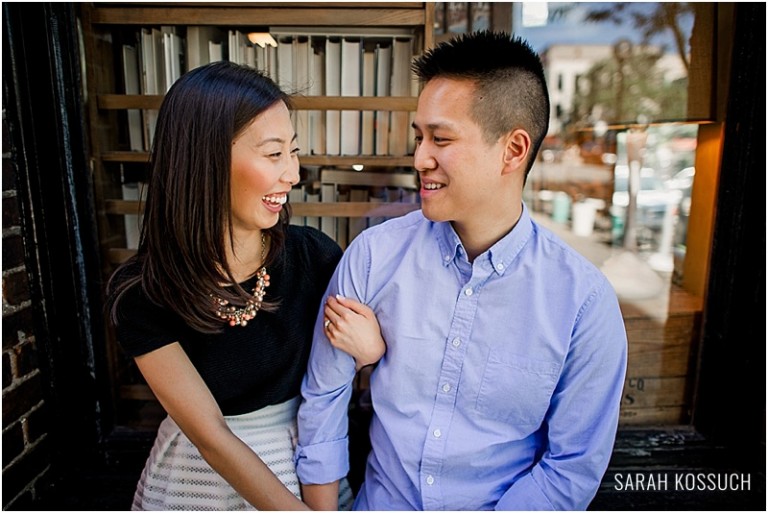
[(301, 63)]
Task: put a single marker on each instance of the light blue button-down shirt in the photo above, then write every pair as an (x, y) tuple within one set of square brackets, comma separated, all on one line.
[(501, 383)]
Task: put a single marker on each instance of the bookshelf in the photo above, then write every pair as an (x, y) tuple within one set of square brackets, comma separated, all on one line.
[(115, 36)]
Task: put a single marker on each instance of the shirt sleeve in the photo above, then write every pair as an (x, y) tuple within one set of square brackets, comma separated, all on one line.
[(322, 453), (583, 414), (143, 326)]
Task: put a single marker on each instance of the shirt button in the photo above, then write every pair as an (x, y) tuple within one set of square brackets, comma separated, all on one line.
[(499, 267), (447, 258), (446, 388), (468, 292), (456, 342), (430, 480), (437, 433)]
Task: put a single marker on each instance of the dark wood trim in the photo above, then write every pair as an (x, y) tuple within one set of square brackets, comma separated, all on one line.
[(730, 403), (42, 93)]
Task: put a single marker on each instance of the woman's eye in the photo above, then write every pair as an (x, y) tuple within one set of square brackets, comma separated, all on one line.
[(295, 151)]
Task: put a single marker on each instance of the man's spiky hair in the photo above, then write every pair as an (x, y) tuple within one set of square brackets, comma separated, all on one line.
[(477, 54), (511, 88)]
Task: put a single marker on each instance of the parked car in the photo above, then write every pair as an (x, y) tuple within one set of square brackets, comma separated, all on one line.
[(653, 198)]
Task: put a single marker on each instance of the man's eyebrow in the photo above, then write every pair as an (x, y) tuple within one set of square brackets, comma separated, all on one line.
[(433, 126)]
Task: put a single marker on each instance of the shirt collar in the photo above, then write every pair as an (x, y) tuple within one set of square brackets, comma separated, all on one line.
[(500, 255)]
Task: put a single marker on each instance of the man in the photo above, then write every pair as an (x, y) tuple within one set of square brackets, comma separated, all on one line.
[(506, 350)]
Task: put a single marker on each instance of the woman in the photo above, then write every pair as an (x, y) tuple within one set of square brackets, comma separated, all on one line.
[(218, 305)]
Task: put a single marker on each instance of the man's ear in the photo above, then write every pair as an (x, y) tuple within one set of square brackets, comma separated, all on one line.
[(516, 150)]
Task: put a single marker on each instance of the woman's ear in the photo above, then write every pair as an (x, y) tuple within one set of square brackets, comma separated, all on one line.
[(516, 150)]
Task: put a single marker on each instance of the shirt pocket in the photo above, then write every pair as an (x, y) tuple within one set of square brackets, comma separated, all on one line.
[(517, 390)]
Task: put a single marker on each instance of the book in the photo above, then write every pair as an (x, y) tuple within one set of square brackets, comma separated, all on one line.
[(317, 88), (357, 224), (296, 195), (301, 60), (285, 64), (368, 89), (131, 83), (383, 77), (215, 51), (350, 86), (328, 223), (132, 191), (173, 51), (312, 196), (199, 39), (333, 88), (149, 82), (399, 129), (342, 223)]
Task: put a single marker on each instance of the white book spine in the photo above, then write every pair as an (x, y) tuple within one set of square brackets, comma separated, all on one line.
[(297, 196), (131, 81), (285, 64), (317, 88), (312, 196), (367, 116), (350, 86), (357, 224), (383, 77), (332, 88), (328, 223), (301, 60), (401, 75)]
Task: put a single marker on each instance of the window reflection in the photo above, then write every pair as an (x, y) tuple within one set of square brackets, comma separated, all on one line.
[(617, 165)]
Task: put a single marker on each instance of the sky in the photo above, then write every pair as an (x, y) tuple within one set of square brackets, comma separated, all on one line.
[(570, 27)]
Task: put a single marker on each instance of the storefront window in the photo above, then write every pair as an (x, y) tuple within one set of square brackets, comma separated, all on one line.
[(617, 166)]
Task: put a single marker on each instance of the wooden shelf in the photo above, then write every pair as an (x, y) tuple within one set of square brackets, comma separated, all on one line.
[(261, 15), (385, 103), (373, 161)]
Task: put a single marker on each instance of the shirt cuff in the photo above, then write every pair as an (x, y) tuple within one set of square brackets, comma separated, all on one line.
[(322, 463), (525, 495)]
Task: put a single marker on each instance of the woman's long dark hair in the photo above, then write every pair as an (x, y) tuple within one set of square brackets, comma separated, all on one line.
[(187, 219)]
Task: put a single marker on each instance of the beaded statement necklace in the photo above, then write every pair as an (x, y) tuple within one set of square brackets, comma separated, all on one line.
[(240, 316)]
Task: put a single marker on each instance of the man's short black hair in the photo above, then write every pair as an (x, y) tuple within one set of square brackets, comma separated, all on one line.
[(511, 88)]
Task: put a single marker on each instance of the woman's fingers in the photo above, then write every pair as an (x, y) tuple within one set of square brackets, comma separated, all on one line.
[(350, 304)]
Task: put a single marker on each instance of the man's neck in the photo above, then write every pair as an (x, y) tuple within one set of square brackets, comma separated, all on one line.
[(478, 236)]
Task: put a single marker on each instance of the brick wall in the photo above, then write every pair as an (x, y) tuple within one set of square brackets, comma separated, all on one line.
[(26, 452)]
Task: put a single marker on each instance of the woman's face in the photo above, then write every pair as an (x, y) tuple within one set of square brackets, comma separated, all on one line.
[(265, 164)]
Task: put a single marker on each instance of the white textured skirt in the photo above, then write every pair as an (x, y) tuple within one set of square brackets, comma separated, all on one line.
[(176, 477)]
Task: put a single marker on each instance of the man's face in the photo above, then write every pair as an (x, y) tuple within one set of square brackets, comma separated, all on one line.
[(460, 172)]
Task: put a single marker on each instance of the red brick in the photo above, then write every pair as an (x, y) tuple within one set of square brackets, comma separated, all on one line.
[(26, 359), (11, 216), (20, 321), (7, 371), (32, 464), (19, 400), (13, 443), (13, 252), (16, 288)]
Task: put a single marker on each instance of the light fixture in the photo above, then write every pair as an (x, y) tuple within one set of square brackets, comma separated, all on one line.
[(262, 39)]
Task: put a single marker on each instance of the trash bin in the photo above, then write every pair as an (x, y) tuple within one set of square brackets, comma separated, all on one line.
[(583, 218), (561, 205)]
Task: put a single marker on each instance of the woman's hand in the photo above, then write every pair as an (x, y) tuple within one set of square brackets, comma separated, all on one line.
[(352, 327)]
